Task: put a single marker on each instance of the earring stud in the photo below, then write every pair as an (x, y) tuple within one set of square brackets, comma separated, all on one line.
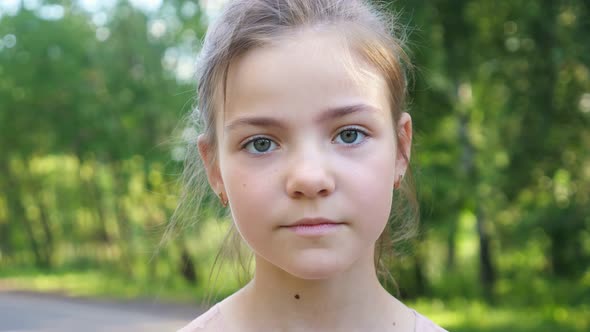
[(397, 182), (223, 199)]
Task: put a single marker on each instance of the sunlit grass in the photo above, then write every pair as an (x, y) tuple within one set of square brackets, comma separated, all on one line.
[(473, 315), (95, 284)]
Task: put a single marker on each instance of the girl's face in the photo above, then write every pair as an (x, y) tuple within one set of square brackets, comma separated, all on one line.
[(307, 134)]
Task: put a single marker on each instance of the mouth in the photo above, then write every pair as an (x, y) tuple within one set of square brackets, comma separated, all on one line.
[(314, 227), (313, 222)]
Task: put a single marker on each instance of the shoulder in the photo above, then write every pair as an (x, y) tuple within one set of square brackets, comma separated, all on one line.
[(210, 321), (423, 324)]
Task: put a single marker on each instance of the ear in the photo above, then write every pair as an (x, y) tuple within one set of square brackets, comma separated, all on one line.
[(404, 134), (211, 163)]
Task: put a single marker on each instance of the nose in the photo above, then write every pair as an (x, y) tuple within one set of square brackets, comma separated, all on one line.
[(309, 177)]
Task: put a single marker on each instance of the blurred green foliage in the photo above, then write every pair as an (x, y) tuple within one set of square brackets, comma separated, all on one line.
[(501, 106)]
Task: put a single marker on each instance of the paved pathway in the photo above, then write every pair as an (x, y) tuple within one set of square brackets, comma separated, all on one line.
[(30, 312)]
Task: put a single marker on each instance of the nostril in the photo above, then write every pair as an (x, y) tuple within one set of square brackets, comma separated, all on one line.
[(309, 183), (320, 193)]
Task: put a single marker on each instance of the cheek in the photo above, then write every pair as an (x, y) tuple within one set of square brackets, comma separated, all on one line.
[(373, 180), (250, 191), (248, 185)]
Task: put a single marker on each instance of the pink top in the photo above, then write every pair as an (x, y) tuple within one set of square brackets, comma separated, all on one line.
[(213, 321)]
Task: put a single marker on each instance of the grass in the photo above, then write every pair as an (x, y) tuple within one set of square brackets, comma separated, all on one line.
[(95, 284), (473, 315)]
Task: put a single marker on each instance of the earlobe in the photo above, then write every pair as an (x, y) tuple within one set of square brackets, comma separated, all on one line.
[(210, 162)]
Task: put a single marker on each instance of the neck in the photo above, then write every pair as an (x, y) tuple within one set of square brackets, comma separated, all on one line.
[(351, 300)]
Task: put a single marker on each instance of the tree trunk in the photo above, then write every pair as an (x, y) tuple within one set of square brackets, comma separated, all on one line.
[(16, 212), (451, 247), (48, 235), (187, 267), (486, 267), (419, 272), (124, 240)]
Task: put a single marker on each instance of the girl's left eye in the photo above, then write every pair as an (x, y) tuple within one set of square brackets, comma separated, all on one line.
[(350, 136)]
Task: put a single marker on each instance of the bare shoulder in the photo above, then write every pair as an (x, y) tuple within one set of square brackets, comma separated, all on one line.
[(424, 324), (210, 321)]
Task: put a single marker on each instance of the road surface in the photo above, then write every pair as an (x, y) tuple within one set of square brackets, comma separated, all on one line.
[(30, 312)]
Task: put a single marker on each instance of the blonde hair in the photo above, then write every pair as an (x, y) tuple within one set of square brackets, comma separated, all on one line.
[(248, 24)]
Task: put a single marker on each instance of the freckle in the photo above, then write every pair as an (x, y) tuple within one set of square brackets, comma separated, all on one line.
[(393, 323), (297, 296)]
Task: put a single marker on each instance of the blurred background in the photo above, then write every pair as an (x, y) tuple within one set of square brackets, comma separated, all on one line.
[(91, 97)]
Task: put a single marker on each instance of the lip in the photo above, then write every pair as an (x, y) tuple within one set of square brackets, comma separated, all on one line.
[(313, 222), (314, 227)]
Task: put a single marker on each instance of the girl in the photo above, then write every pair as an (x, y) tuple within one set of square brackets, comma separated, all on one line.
[(306, 143)]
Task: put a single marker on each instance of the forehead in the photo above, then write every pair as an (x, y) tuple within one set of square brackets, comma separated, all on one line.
[(308, 69)]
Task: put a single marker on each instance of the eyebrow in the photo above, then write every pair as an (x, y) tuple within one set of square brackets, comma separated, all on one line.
[(329, 114)]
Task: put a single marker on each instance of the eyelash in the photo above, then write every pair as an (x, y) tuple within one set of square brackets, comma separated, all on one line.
[(356, 129), (245, 145), (254, 139)]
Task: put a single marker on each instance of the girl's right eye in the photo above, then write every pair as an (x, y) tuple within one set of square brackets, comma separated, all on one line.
[(259, 145)]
